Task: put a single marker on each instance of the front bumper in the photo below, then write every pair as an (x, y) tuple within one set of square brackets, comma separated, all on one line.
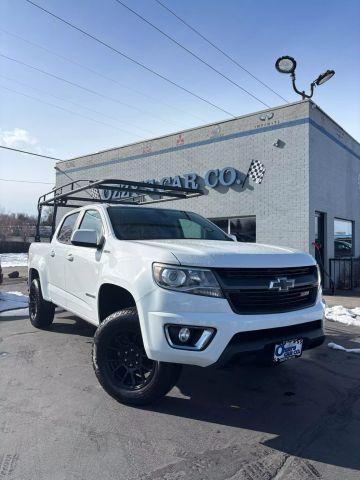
[(161, 307), (248, 347)]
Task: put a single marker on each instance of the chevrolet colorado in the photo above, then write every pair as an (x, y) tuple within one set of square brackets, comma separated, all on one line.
[(168, 287)]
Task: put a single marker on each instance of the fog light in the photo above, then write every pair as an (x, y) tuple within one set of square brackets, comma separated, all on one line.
[(184, 334), (188, 337)]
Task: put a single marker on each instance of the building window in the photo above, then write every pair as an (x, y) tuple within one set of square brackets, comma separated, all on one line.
[(343, 238), (244, 228), (222, 223)]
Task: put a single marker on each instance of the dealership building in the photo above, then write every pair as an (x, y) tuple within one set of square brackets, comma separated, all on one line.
[(310, 190)]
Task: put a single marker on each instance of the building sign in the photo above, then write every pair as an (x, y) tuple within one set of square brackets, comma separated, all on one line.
[(214, 178)]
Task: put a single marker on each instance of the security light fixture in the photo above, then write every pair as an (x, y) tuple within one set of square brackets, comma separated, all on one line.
[(287, 65), (279, 143)]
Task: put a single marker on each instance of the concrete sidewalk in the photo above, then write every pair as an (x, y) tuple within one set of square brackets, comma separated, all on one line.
[(348, 299)]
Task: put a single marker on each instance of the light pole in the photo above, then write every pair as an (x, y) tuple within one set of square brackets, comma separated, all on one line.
[(287, 65)]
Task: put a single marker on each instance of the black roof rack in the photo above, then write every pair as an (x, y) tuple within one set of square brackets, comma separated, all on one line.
[(111, 191)]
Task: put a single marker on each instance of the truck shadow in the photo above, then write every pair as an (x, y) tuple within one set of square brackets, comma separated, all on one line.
[(72, 325), (305, 408)]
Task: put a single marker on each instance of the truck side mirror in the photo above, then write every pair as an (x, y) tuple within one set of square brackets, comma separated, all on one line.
[(233, 237), (85, 238)]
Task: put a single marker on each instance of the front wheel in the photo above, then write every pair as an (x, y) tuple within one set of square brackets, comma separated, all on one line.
[(122, 366), (41, 312)]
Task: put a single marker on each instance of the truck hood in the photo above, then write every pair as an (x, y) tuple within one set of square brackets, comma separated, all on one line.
[(212, 253)]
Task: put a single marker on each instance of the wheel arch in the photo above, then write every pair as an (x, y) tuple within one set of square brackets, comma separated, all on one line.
[(33, 273), (111, 298), (39, 269)]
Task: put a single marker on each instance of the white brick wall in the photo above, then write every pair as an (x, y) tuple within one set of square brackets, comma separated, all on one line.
[(293, 187), (335, 177)]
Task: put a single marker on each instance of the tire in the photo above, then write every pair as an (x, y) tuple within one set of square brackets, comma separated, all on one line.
[(41, 312), (122, 366)]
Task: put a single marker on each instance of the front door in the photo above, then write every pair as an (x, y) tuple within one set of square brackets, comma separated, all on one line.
[(82, 270)]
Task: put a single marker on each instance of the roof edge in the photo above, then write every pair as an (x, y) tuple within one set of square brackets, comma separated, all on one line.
[(310, 102), (334, 121), (185, 131)]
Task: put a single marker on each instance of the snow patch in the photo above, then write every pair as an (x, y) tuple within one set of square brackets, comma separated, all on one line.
[(335, 346), (348, 316), (21, 312), (12, 301), (13, 259)]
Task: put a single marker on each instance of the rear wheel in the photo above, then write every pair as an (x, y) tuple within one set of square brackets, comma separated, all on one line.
[(122, 366), (41, 312)]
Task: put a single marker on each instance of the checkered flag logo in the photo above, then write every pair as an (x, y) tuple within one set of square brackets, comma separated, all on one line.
[(94, 192), (256, 171)]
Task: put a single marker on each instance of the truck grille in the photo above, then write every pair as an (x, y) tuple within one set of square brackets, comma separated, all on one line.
[(248, 289)]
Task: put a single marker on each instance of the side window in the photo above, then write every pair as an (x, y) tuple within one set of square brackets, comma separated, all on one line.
[(92, 221), (67, 228)]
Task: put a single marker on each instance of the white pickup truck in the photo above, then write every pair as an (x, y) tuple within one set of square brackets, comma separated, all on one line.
[(168, 287)]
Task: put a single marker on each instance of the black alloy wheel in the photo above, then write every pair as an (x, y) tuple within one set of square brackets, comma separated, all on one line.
[(126, 361), (41, 312), (122, 366), (33, 301)]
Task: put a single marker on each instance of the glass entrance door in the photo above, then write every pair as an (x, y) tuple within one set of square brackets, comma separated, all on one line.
[(320, 240)]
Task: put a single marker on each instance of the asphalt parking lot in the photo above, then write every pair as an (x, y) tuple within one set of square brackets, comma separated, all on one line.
[(297, 421)]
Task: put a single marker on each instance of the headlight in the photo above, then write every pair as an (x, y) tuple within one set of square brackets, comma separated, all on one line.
[(198, 281), (319, 282), (319, 275)]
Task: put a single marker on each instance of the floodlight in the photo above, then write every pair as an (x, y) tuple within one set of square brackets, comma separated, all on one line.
[(324, 77), (287, 65)]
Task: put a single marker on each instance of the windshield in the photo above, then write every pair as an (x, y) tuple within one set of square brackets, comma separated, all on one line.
[(139, 223)]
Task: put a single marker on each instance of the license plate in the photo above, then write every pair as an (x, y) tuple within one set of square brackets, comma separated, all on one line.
[(287, 350)]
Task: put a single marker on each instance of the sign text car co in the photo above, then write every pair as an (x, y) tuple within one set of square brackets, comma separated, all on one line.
[(213, 178)]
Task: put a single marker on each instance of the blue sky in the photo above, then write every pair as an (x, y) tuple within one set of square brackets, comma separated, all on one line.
[(320, 34)]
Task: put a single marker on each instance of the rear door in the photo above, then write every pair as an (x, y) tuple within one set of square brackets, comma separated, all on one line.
[(83, 271), (59, 252)]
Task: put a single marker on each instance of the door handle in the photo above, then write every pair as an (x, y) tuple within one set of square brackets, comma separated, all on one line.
[(52, 253), (70, 257)]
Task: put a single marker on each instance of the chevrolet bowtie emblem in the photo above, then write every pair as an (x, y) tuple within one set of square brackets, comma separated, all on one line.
[(282, 284)]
